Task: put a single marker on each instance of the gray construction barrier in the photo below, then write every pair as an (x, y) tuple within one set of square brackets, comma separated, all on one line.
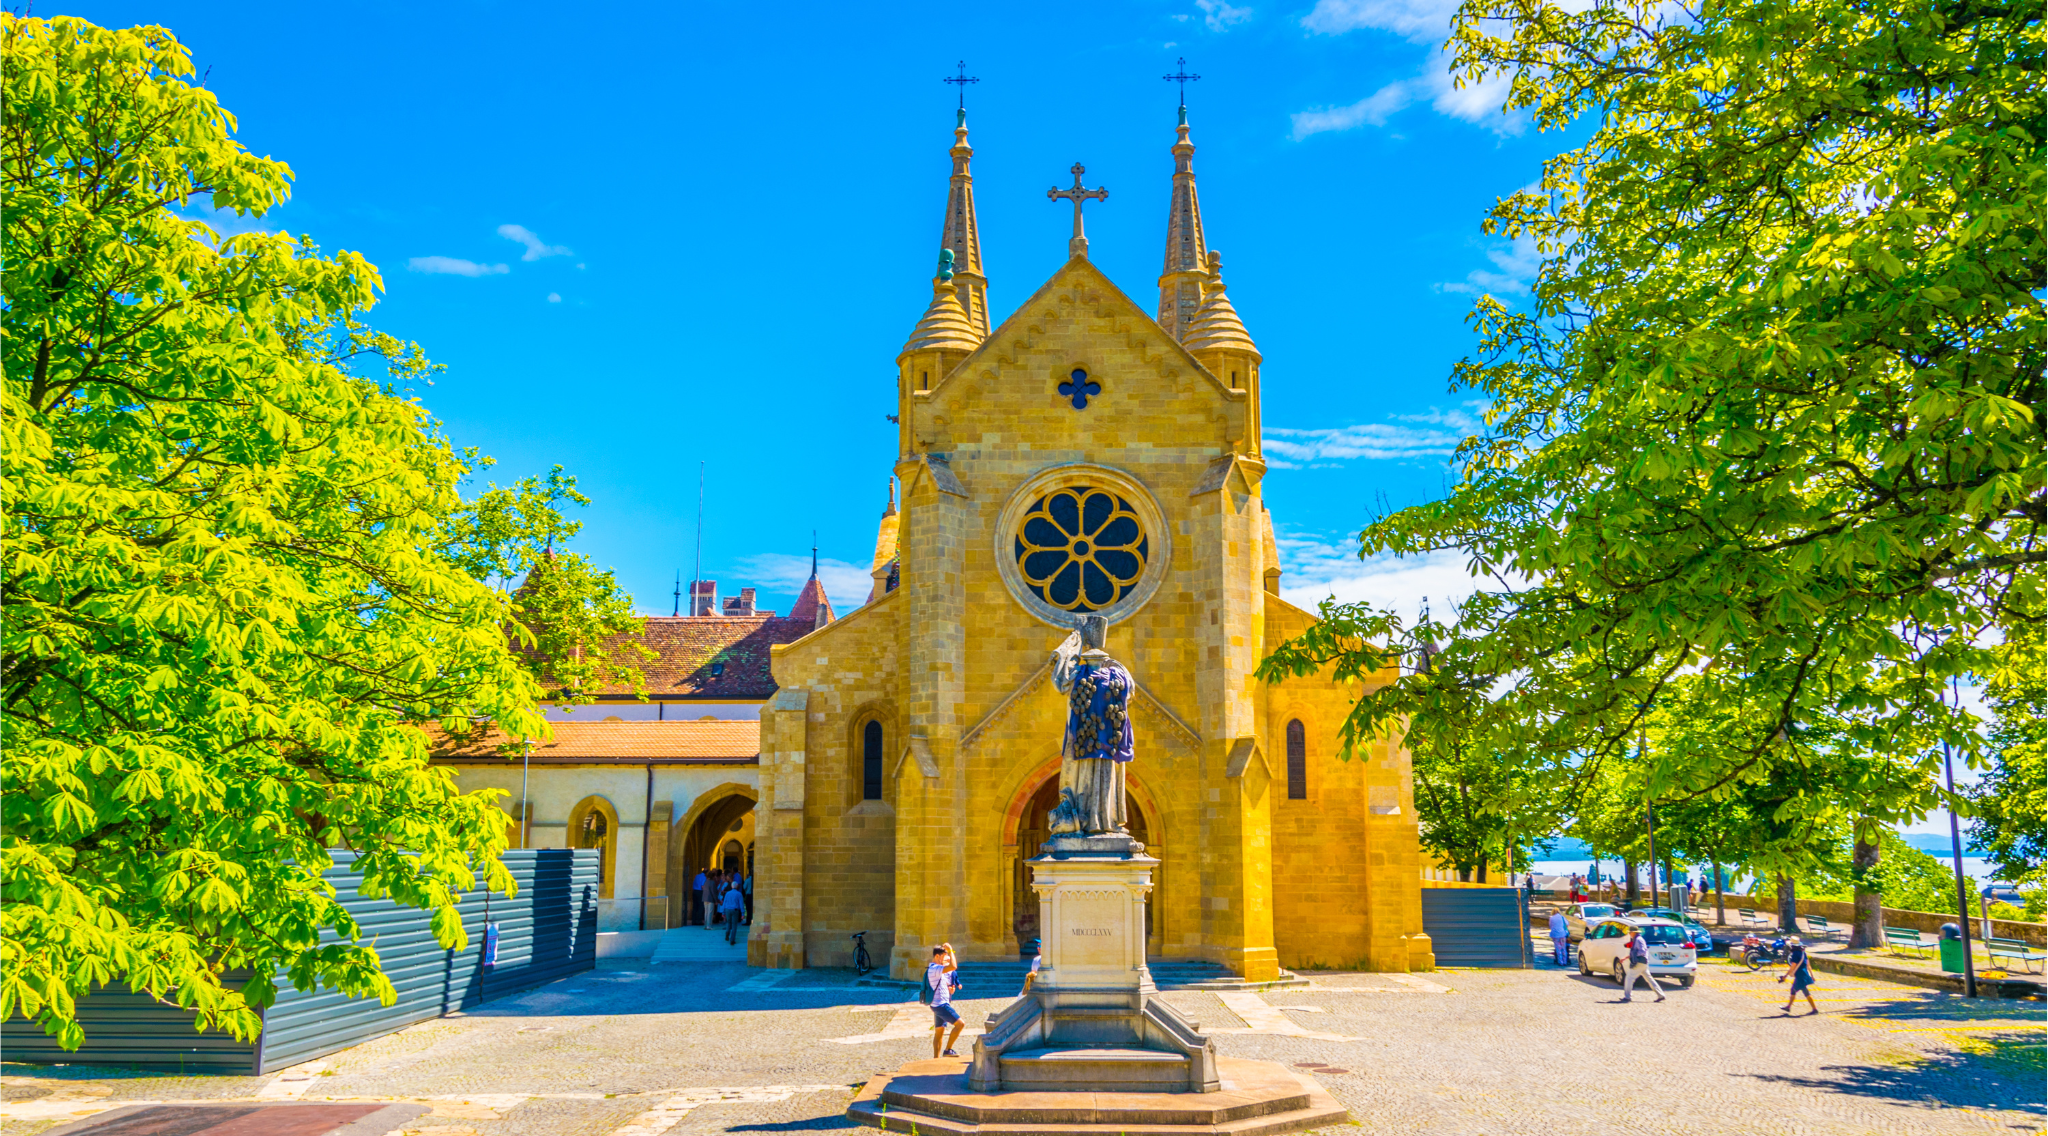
[(1485, 927), (548, 932)]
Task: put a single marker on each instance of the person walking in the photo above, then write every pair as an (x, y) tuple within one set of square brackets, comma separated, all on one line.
[(714, 891), (1560, 938), (938, 980), (697, 897), (734, 905), (1031, 975), (1800, 971), (747, 891), (1638, 966)]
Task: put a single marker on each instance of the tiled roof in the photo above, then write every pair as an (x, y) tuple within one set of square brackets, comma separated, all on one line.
[(627, 743), (812, 609), (689, 648)]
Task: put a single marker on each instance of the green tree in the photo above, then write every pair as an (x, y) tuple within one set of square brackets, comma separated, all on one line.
[(1775, 414), (239, 579)]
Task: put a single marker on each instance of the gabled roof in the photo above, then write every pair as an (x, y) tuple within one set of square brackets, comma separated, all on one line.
[(689, 648), (623, 743), (1142, 324)]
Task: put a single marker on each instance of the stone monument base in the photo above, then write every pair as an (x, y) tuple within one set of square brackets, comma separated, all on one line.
[(1255, 1098)]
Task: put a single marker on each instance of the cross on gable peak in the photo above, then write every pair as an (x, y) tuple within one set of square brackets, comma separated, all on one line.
[(1078, 244)]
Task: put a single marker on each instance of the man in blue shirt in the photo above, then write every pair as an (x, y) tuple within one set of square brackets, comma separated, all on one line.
[(939, 978), (697, 897), (1560, 938)]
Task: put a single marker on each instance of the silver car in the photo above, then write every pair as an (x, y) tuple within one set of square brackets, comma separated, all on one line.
[(1579, 916)]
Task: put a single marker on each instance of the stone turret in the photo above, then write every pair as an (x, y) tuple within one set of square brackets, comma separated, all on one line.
[(1187, 253), (1216, 337)]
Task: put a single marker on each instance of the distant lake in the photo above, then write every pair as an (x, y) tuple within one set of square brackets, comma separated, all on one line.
[(1976, 868)]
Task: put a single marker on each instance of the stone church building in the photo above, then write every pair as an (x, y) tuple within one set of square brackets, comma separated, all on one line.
[(1085, 454)]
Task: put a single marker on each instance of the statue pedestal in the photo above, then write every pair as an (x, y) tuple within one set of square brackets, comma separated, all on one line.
[(1093, 1021)]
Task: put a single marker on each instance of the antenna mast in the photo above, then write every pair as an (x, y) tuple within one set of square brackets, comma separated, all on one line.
[(699, 577)]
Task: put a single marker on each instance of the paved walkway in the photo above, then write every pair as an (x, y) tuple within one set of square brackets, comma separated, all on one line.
[(640, 1049)]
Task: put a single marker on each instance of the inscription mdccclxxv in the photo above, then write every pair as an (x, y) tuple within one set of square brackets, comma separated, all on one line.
[(1092, 931)]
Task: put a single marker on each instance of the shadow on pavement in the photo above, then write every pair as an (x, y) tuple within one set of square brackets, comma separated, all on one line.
[(635, 986), (1951, 1080), (814, 1124)]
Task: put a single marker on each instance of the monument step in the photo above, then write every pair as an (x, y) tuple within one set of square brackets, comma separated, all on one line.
[(896, 1119), (1257, 1099), (1003, 978), (1095, 1070)]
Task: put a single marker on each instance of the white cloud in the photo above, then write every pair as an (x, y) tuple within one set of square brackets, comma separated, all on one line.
[(1420, 20), (1515, 265), (536, 248), (1408, 437), (1220, 15), (451, 266), (1315, 569), (554, 297), (846, 585), (1373, 109), (1479, 104)]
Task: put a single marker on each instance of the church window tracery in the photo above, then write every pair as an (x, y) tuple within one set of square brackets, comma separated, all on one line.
[(1080, 549), (1079, 387)]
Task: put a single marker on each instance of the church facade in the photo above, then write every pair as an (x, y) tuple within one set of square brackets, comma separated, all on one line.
[(1088, 454)]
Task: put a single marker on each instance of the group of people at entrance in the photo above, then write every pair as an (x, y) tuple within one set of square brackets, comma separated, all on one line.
[(719, 898)]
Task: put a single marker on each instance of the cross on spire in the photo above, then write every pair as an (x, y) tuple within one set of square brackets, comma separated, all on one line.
[(1078, 246), (961, 81), (1180, 75)]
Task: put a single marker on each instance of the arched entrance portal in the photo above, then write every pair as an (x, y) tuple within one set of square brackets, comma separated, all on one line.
[(722, 838), (1033, 830)]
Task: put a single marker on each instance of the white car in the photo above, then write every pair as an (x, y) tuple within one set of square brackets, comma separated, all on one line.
[(1605, 949)]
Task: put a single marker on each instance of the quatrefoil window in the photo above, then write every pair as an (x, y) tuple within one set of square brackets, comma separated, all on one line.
[(1080, 549)]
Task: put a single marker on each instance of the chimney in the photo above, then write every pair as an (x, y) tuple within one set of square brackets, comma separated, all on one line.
[(703, 597), (742, 604)]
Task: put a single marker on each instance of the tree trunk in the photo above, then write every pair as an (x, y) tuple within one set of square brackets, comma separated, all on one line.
[(1464, 873), (1866, 929), (1788, 905), (1482, 868), (1633, 888), (1720, 894)]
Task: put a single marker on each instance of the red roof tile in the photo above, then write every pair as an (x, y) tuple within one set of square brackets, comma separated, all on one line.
[(690, 648), (625, 743), (811, 604)]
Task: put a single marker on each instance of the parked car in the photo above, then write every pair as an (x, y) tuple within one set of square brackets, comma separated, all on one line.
[(1579, 916), (1702, 939), (1605, 949)]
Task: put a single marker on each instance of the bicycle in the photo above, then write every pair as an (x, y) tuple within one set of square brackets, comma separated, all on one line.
[(863, 963)]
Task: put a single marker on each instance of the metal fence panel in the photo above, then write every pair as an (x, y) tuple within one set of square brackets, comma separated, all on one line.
[(1484, 927), (548, 931)]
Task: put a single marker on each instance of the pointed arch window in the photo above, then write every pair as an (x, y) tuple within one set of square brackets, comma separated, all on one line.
[(871, 762), (1297, 761)]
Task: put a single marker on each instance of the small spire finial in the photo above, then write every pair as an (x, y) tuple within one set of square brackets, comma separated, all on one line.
[(946, 265), (1180, 75), (961, 81), (814, 554)]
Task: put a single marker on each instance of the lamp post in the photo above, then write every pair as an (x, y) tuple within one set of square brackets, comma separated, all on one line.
[(1955, 836)]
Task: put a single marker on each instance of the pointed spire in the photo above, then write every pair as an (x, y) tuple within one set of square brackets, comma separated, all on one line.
[(1216, 326), (885, 547), (1187, 253), (811, 605), (962, 234)]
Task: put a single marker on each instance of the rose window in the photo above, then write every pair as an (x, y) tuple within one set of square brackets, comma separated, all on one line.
[(1081, 549)]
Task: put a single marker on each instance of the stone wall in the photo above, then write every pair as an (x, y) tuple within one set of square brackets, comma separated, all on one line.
[(1842, 913)]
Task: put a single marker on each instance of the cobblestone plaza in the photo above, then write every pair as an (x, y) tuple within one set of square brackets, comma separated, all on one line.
[(638, 1049)]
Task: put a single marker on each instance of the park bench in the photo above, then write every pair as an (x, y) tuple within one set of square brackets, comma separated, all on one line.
[(1820, 928), (1905, 939), (2014, 949), (1748, 916)]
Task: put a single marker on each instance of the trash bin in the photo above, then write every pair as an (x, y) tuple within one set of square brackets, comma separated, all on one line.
[(1951, 948)]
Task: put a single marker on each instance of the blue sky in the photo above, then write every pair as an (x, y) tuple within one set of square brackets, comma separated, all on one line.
[(645, 237)]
